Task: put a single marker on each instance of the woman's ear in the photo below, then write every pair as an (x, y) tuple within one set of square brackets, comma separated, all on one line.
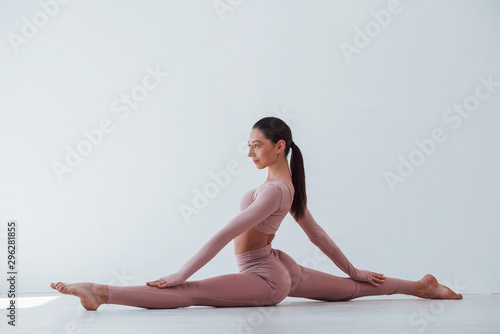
[(281, 146)]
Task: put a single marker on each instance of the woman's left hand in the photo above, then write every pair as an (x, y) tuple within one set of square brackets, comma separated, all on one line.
[(376, 279), (368, 276)]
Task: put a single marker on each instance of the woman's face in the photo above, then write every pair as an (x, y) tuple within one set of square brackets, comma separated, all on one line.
[(261, 150)]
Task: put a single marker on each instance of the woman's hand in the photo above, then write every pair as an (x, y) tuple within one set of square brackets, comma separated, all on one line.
[(377, 278), (167, 281), (160, 283), (368, 276)]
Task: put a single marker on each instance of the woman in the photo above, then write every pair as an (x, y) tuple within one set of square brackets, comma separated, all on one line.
[(266, 275)]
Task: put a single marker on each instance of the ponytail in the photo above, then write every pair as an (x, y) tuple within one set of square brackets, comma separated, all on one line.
[(299, 203)]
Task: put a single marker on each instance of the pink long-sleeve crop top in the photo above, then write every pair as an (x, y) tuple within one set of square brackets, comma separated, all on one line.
[(281, 190)]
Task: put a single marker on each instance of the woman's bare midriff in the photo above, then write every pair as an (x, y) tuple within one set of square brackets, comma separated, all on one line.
[(251, 239)]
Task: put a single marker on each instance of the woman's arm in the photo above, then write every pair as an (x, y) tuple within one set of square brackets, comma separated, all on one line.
[(267, 201), (322, 240)]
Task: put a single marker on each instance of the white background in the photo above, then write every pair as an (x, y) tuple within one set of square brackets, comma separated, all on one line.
[(116, 217)]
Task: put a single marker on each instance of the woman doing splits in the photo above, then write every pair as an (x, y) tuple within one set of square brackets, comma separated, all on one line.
[(266, 275)]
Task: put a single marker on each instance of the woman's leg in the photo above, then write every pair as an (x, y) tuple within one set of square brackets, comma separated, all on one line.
[(314, 284), (221, 291), (243, 289), (318, 285)]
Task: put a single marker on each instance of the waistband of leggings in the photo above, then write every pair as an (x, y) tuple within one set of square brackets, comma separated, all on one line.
[(254, 253)]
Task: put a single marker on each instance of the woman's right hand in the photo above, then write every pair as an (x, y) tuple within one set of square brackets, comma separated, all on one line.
[(168, 281), (160, 283)]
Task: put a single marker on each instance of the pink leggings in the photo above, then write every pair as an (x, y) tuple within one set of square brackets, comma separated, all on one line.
[(267, 276)]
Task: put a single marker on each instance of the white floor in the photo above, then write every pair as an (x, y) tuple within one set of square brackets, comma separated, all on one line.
[(57, 314)]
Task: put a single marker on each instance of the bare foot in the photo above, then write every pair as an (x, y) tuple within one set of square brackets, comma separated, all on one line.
[(428, 287), (91, 295)]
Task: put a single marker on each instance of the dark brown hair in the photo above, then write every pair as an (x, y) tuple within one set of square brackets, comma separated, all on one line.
[(275, 130)]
